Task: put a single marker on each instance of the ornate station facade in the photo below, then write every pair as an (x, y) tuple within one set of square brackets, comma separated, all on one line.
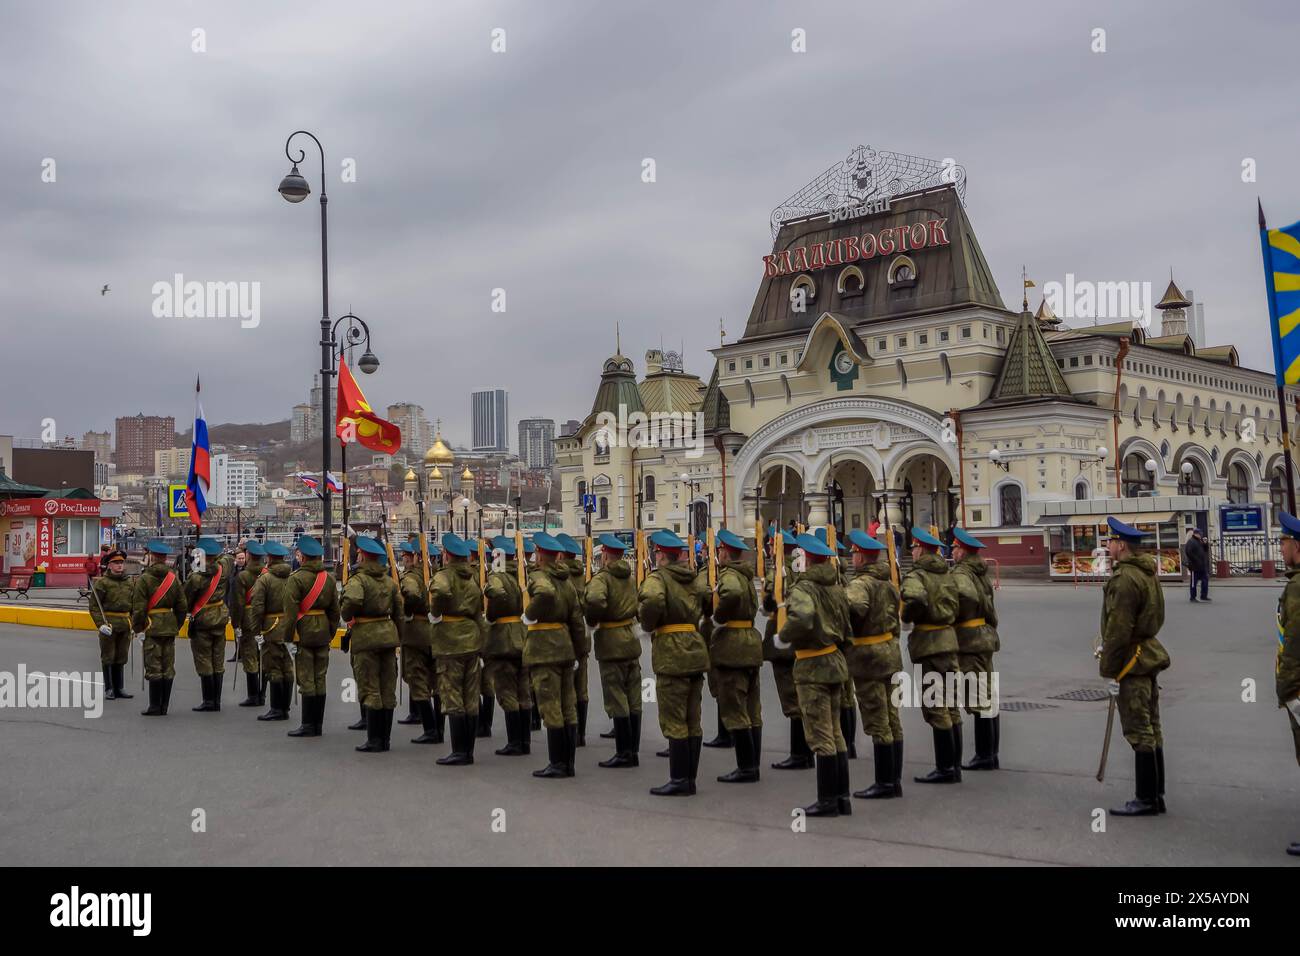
[(881, 376)]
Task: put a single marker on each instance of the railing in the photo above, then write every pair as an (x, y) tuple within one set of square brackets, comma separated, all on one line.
[(1246, 553)]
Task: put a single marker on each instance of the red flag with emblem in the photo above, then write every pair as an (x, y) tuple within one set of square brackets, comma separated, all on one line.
[(355, 420)]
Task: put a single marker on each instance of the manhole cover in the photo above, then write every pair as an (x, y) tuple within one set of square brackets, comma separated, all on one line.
[(1083, 693), (1025, 705)]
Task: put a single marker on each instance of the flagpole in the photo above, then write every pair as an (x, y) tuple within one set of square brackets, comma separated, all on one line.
[(1277, 361)]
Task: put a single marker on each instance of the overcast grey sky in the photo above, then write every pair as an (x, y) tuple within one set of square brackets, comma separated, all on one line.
[(522, 170)]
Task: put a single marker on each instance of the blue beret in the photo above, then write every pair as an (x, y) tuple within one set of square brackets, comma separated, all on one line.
[(409, 547), (210, 546), (434, 550), (500, 541), (814, 545), (310, 547), (505, 545), (255, 548), (1126, 531), (923, 536), (548, 543), (611, 542), (820, 534), (455, 544), (529, 547), (863, 541), (788, 537), (158, 546), (569, 543), (275, 549), (666, 539), (730, 539), (1290, 525), (966, 538), (369, 545)]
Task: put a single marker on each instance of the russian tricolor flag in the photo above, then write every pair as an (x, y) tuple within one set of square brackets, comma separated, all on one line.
[(200, 476)]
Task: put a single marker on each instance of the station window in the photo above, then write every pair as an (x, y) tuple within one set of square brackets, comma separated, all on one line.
[(965, 331), (767, 361), (731, 366), (882, 345), (749, 363), (986, 331), (1087, 360), (1001, 335), (943, 335), (922, 338), (901, 342), (1074, 361), (785, 358)]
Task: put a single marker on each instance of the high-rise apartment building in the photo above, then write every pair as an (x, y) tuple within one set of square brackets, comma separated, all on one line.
[(417, 434), (138, 437), (489, 420), (234, 483), (536, 442)]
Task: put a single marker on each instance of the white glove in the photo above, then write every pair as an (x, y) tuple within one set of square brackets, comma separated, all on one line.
[(293, 650), (239, 633), (140, 635), (528, 621), (1294, 707), (1112, 688), (435, 618), (260, 640), (105, 630)]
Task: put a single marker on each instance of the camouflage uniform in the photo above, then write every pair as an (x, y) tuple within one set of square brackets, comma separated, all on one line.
[(554, 622), (816, 625), (269, 617), (723, 737), (455, 597), (609, 605), (373, 605), (504, 650), (114, 592), (160, 626), (782, 661), (241, 618), (207, 631), (581, 650), (1133, 611), (736, 659), (1288, 651), (874, 656), (929, 602), (977, 641), (417, 662), (312, 631)]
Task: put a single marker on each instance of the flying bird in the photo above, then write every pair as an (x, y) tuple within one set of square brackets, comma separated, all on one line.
[(104, 291)]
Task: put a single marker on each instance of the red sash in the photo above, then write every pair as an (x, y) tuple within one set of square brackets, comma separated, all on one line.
[(317, 586), (163, 588), (207, 595)]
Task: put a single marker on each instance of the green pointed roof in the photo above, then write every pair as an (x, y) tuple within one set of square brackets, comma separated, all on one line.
[(1029, 370), (617, 387)]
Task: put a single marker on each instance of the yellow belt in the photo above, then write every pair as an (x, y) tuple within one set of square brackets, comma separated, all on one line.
[(820, 652), (606, 625), (547, 626), (161, 610), (125, 614), (674, 629), (370, 620), (317, 612), (973, 622), (738, 624), (931, 627), (1129, 666), (508, 619), (454, 617), (873, 639)]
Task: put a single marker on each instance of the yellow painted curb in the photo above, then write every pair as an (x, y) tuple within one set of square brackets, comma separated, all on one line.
[(35, 616)]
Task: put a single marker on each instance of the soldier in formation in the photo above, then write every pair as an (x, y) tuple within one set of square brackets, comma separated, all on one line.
[(205, 593), (609, 606), (668, 607), (874, 656), (577, 567), (247, 649), (977, 641), (1133, 611), (782, 658), (312, 603), (736, 656), (1288, 637), (110, 610), (372, 607), (456, 602), (553, 618), (816, 626), (270, 620), (158, 610), (503, 653), (417, 664)]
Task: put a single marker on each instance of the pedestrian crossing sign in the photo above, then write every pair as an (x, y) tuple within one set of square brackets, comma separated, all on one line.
[(176, 502)]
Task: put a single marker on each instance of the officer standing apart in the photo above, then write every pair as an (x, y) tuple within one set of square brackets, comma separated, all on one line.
[(874, 656), (552, 618), (668, 607), (977, 641), (1288, 635), (312, 598), (457, 605), (930, 602), (1133, 611), (158, 609), (113, 589), (736, 656), (609, 605), (245, 635), (205, 593), (816, 624), (782, 660), (373, 605), (504, 652), (269, 615)]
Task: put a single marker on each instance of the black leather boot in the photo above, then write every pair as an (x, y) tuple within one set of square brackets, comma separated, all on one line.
[(307, 723), (634, 741), (320, 714), (455, 730), (956, 751), (252, 683), (205, 688), (666, 752), (155, 695), (800, 755), (697, 742), (883, 788), (1293, 849), (942, 772), (984, 758), (828, 781), (757, 734), (439, 732), (623, 754), (425, 709), (746, 759), (609, 734), (525, 731), (512, 748), (110, 691), (1147, 801), (570, 766), (842, 765), (536, 719), (849, 727), (119, 682), (471, 735), (261, 689), (582, 722), (361, 724), (412, 712), (165, 693), (218, 684), (486, 705), (374, 733), (1160, 779), (679, 770), (557, 754), (279, 706), (898, 766), (723, 738), (387, 726)]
